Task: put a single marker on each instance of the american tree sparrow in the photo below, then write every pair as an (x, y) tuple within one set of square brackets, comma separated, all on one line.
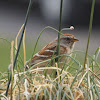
[(67, 42)]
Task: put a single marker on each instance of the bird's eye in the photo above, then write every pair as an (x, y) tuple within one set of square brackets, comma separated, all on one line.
[(68, 39)]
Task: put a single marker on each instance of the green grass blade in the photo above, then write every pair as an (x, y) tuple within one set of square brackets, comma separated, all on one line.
[(26, 19), (90, 29)]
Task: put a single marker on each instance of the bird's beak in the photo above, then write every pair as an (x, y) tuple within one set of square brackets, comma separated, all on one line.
[(75, 40)]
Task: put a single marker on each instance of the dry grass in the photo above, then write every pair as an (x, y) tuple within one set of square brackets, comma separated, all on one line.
[(32, 85)]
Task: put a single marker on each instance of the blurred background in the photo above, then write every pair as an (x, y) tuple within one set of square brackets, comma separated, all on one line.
[(46, 13)]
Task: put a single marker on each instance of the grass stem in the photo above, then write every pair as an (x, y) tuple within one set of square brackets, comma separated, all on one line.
[(90, 29), (60, 22), (26, 19)]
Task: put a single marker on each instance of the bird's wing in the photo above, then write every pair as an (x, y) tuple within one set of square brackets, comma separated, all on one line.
[(46, 53)]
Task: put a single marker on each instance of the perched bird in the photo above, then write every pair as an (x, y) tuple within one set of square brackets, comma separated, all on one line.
[(67, 42)]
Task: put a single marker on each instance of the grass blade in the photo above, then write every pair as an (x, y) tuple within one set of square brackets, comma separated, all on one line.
[(26, 19), (90, 29)]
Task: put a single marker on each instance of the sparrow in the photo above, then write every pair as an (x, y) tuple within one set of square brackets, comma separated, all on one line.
[(67, 42)]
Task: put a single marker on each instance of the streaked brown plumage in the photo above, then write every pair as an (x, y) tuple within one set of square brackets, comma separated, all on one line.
[(66, 46)]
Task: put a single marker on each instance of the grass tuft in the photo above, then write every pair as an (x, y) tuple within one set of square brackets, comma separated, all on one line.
[(32, 84)]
